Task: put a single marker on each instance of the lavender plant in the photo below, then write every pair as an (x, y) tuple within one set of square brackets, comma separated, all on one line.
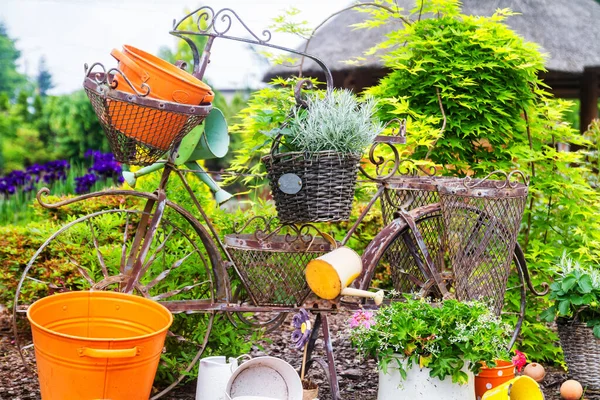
[(337, 122)]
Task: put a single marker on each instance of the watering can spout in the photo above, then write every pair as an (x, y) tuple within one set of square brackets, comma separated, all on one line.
[(131, 177), (221, 196), (377, 297)]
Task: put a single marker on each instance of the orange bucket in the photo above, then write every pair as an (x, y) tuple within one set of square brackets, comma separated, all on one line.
[(97, 345), (490, 378), (167, 81)]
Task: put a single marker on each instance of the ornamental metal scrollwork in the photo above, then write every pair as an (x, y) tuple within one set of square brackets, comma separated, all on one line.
[(471, 183), (208, 20), (269, 227), (108, 78)]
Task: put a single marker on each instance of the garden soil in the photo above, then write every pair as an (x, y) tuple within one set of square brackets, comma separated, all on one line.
[(358, 378)]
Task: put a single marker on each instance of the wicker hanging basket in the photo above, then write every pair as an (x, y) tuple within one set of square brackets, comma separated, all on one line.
[(326, 180)]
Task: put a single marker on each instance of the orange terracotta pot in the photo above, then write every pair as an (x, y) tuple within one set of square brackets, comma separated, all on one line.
[(153, 128), (166, 81), (490, 378)]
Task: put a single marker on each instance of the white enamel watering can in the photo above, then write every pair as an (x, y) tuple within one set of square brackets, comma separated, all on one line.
[(213, 375)]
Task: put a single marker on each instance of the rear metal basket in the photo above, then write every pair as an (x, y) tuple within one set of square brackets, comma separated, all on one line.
[(481, 218), (139, 129), (272, 268), (408, 193)]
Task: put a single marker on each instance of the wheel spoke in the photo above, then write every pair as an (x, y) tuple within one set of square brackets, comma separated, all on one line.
[(124, 247), (103, 284), (166, 272), (137, 240), (84, 273), (156, 252)]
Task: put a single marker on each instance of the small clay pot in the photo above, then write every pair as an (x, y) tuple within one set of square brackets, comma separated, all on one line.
[(310, 390), (571, 390), (535, 371)]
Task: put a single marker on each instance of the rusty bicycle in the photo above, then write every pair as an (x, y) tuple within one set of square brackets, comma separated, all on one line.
[(443, 237)]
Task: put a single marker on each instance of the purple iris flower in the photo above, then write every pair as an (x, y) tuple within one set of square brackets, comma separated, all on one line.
[(35, 171), (83, 184), (18, 178), (6, 188)]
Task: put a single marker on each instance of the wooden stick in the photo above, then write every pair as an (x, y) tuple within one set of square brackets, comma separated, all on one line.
[(303, 362)]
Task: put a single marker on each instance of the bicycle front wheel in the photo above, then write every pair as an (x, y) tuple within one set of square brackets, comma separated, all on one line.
[(95, 252)]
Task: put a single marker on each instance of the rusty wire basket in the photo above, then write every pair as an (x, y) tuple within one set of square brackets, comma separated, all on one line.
[(271, 267), (481, 220), (408, 193), (326, 181), (140, 130)]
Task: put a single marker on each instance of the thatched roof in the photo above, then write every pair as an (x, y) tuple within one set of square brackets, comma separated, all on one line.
[(568, 30)]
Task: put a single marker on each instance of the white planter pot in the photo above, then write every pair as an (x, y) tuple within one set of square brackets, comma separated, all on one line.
[(419, 385)]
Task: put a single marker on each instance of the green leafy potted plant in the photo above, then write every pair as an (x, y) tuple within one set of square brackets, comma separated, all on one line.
[(430, 350), (575, 297), (315, 156)]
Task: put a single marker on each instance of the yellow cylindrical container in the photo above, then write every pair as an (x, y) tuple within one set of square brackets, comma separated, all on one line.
[(331, 273), (519, 388)]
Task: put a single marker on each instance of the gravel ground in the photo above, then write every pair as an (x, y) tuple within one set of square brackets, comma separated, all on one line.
[(357, 378)]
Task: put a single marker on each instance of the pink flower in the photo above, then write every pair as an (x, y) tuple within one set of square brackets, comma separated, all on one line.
[(362, 318), (519, 360)]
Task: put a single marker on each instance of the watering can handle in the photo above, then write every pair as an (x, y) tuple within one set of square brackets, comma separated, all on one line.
[(121, 57), (108, 353), (377, 297), (330, 239), (248, 356)]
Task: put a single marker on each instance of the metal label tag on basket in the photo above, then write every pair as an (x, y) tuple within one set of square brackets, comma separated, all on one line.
[(289, 183)]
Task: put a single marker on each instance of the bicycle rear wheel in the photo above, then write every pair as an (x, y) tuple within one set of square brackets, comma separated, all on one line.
[(396, 248), (96, 251)]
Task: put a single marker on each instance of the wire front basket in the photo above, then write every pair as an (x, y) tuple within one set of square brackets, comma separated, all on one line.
[(140, 130), (481, 219), (272, 267), (407, 193)]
